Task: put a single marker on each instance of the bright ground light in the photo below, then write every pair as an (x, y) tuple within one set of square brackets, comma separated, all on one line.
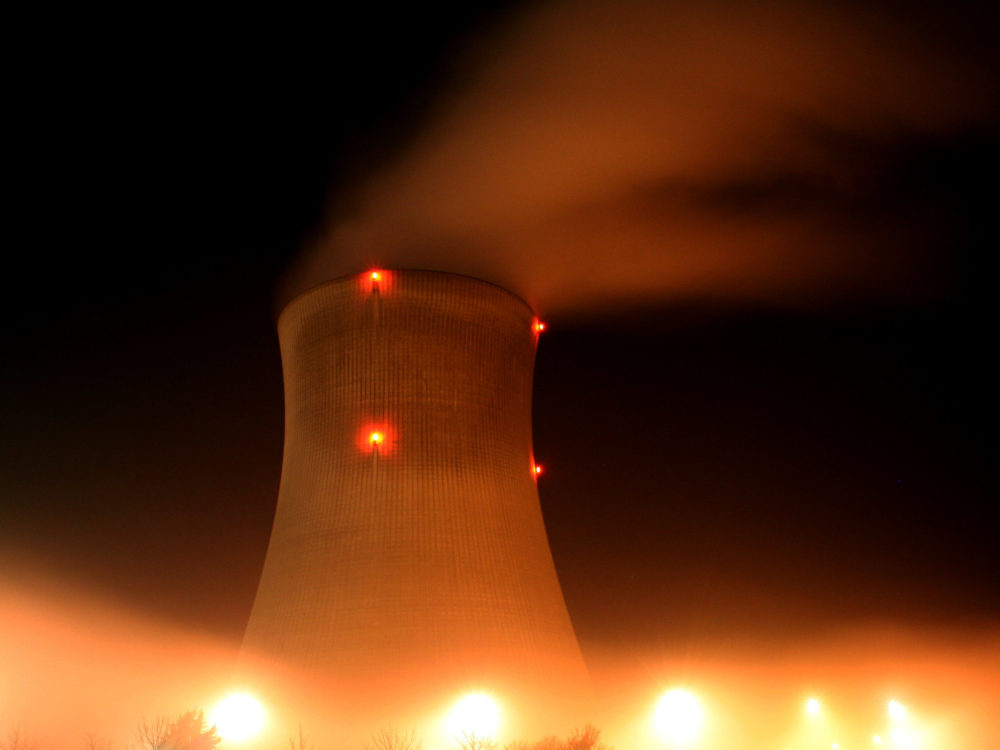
[(238, 717), (905, 738), (679, 717), (897, 711), (475, 714), (812, 707)]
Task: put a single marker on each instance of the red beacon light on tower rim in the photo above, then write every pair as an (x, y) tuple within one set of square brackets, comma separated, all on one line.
[(376, 439), (536, 469), (538, 326), (375, 280)]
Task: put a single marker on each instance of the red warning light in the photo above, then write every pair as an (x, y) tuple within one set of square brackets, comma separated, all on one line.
[(375, 280), (537, 469), (538, 326), (377, 438)]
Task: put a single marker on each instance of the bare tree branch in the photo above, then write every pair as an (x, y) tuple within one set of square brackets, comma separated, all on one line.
[(300, 743), (394, 739)]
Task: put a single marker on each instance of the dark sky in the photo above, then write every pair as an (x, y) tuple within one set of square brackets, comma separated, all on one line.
[(726, 458)]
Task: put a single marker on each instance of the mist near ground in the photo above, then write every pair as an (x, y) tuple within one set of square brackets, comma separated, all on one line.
[(75, 665), (619, 154)]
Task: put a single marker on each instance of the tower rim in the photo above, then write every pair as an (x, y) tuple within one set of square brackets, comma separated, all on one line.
[(301, 296)]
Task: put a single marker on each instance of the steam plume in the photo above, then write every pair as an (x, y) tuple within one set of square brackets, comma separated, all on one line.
[(618, 152)]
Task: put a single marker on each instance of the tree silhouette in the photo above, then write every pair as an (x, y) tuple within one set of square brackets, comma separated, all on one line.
[(187, 732), (18, 739), (152, 735), (394, 739), (93, 741), (588, 738), (301, 742), (470, 741), (190, 732)]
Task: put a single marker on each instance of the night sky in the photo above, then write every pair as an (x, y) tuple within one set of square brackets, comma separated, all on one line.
[(724, 459)]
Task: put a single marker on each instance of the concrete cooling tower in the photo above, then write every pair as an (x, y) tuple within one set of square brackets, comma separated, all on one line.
[(408, 546)]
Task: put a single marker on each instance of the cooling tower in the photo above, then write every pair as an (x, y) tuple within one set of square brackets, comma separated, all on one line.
[(408, 543)]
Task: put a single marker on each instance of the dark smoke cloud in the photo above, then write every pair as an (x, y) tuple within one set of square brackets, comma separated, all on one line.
[(621, 153)]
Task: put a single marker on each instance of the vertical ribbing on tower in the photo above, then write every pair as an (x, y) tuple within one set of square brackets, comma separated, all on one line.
[(427, 553)]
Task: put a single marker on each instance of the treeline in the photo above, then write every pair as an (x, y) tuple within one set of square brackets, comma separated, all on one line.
[(190, 731)]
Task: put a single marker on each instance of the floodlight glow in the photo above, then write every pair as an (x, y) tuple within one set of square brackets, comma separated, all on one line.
[(474, 715), (238, 717), (904, 738), (897, 711), (376, 276), (679, 717), (376, 438), (812, 707)]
